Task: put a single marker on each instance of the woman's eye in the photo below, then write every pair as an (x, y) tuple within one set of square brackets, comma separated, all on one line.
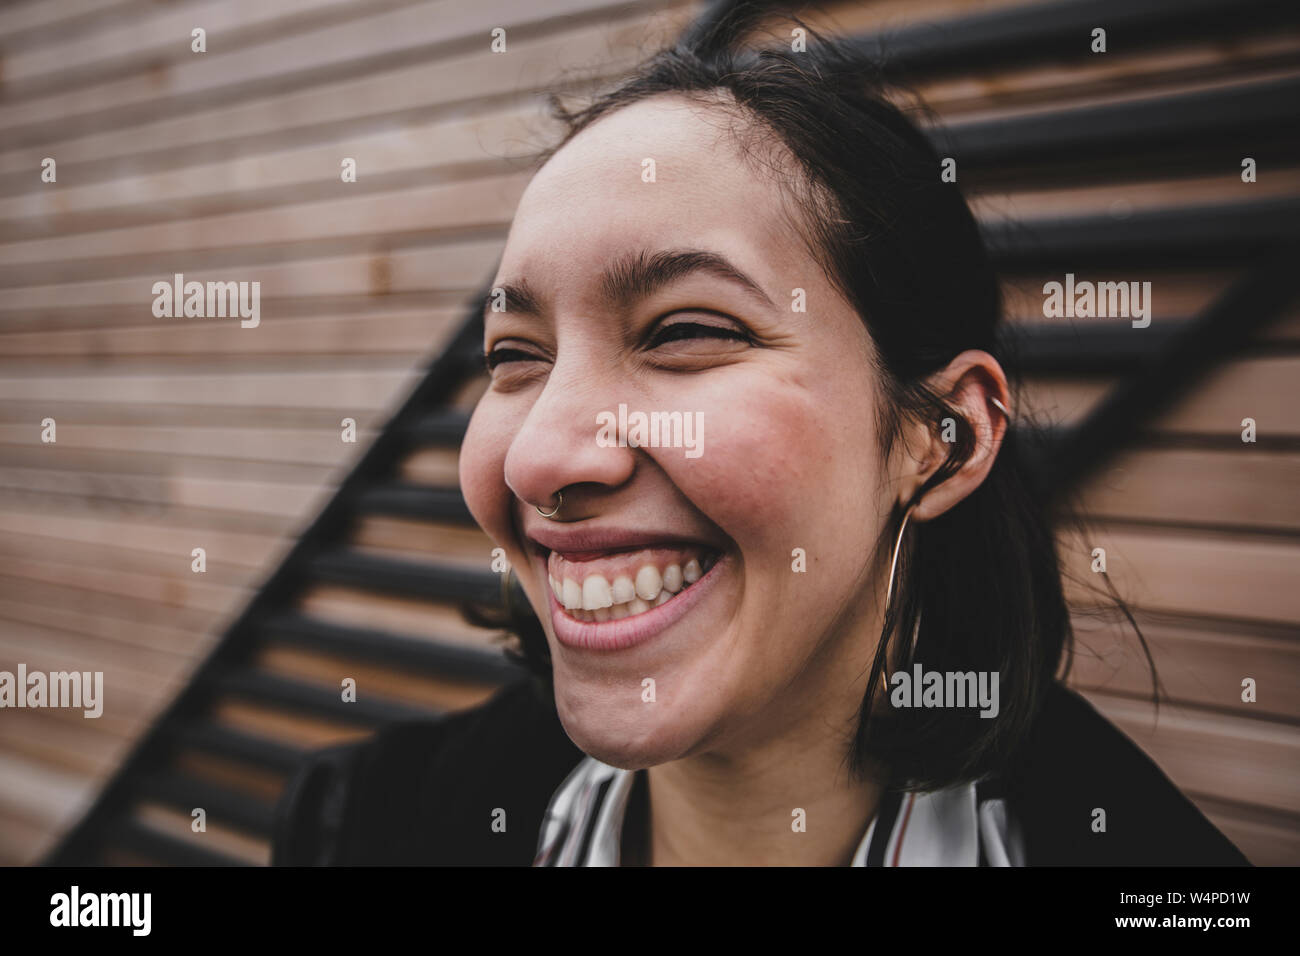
[(680, 331), (501, 355)]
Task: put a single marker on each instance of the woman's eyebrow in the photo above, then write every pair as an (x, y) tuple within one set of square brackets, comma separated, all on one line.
[(641, 274), (636, 276), (518, 297)]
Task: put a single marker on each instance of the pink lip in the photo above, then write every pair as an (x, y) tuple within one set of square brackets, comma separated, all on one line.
[(584, 540), (630, 631)]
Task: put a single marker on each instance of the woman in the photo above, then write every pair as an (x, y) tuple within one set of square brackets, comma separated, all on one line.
[(749, 448)]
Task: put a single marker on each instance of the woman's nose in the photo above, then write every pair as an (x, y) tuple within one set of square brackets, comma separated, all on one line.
[(556, 446)]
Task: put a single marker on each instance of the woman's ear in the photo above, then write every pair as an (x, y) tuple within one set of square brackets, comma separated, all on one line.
[(971, 384)]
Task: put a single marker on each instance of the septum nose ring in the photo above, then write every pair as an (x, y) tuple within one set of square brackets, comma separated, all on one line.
[(556, 510)]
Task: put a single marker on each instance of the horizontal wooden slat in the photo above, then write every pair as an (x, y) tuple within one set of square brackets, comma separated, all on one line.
[(21, 842), (241, 61), (298, 696), (1258, 388), (40, 794), (237, 808), (129, 694), (1243, 232), (408, 576), (1214, 754), (143, 586), (203, 737), (115, 608), (1171, 318), (1245, 76), (91, 750), (442, 267), (314, 444), (431, 82), (217, 837), (451, 660), (1103, 139), (415, 502), (853, 16), (1175, 292), (442, 622), (329, 670), (1190, 572), (171, 535), (1198, 663), (300, 730), (19, 609), (455, 146), (131, 843), (38, 547), (370, 390), (125, 722), (61, 649), (288, 503), (477, 203), (1266, 837), (1084, 80), (1238, 488), (24, 16), (164, 36), (265, 785), (464, 545), (432, 466), (402, 333), (1123, 199)]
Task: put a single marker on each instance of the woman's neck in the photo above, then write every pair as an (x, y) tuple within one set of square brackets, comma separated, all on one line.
[(711, 811), (735, 804)]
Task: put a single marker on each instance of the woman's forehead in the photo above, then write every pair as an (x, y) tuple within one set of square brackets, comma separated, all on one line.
[(666, 124), (661, 173)]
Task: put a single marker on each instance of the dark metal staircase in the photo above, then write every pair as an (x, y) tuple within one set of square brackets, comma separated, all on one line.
[(1178, 133)]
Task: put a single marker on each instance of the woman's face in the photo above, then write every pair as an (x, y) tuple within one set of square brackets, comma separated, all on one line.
[(682, 554)]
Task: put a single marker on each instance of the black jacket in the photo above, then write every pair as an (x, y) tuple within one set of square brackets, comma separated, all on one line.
[(425, 792)]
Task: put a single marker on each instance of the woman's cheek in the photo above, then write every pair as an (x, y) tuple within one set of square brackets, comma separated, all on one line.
[(482, 470), (758, 459)]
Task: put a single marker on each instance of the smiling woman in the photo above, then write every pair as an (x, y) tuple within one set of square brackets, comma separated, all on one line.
[(715, 633)]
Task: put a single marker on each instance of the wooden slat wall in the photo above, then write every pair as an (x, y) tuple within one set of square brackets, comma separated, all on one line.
[(1199, 527), (176, 434)]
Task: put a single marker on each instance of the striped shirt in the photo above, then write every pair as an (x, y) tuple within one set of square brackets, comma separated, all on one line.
[(965, 825)]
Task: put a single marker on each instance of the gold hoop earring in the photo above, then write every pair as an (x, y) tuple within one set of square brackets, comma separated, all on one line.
[(889, 588), (893, 564)]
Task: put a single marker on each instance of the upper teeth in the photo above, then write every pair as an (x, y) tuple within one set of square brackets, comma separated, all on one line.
[(625, 595)]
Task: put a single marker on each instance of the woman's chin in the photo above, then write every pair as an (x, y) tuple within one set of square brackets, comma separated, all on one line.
[(629, 741)]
